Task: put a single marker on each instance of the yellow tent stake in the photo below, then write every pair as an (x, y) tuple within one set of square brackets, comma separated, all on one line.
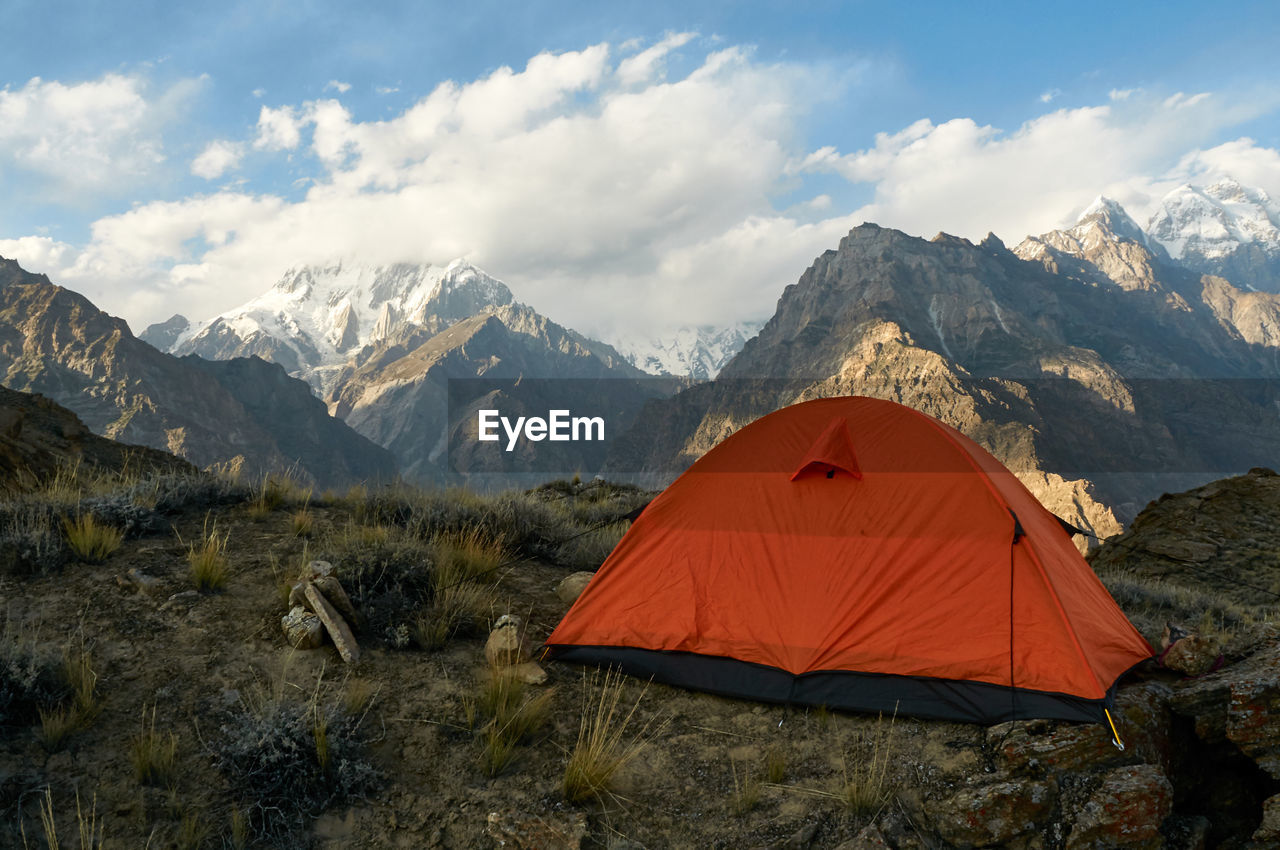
[(1114, 734)]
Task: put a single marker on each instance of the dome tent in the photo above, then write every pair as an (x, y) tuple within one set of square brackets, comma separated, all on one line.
[(855, 553)]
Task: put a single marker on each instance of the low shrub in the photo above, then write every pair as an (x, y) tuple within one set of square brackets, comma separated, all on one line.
[(31, 681), (289, 760)]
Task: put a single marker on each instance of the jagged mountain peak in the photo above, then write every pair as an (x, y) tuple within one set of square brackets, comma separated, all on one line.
[(317, 316), (1112, 217), (696, 351), (1226, 229)]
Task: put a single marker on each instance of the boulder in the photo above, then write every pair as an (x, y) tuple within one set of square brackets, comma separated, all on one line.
[(572, 585), (1268, 832), (1240, 703), (1142, 716), (994, 814), (1126, 810), (302, 629), (1194, 655), (507, 645)]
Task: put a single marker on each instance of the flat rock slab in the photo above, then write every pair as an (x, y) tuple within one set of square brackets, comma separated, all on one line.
[(337, 627)]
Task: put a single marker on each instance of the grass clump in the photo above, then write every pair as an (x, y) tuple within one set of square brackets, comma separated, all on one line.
[(290, 759), (302, 523), (153, 754), (457, 610), (746, 789), (865, 788), (604, 747), (59, 723), (513, 716), (90, 540), (208, 558), (31, 541)]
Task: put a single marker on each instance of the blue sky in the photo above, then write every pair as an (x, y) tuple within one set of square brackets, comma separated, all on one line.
[(639, 165)]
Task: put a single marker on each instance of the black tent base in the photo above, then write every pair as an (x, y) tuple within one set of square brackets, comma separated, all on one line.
[(915, 696)]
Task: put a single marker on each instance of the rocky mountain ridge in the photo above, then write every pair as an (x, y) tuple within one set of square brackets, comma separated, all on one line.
[(1076, 359), (246, 412)]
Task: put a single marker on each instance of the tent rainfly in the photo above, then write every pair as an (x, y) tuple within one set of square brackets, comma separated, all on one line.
[(857, 554)]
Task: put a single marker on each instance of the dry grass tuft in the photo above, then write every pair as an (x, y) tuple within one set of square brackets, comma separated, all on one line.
[(302, 522), (513, 716), (746, 789), (866, 788), (91, 541), (471, 555), (57, 724), (153, 754), (208, 558), (604, 747), (88, 827)]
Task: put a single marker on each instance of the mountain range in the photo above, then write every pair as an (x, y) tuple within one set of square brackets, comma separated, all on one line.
[(1103, 361), (404, 353), (1086, 359)]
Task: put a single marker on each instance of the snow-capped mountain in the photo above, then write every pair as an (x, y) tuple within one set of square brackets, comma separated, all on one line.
[(316, 318), (1225, 229), (697, 351)]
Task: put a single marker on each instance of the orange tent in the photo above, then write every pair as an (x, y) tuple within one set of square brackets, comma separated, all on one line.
[(855, 553)]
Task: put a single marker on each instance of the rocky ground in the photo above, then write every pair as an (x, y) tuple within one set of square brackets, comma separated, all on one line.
[(410, 758)]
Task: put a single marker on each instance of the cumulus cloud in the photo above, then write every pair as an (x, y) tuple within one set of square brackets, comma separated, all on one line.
[(217, 158), (279, 129), (87, 137), (338, 86), (967, 178)]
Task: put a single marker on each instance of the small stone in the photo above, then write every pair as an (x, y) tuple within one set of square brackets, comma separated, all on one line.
[(297, 596), (338, 630), (572, 585), (332, 590), (179, 598), (506, 644), (530, 673), (318, 569), (550, 831), (302, 629)]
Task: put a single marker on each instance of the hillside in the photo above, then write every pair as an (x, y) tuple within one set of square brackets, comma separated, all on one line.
[(412, 756), (250, 414)]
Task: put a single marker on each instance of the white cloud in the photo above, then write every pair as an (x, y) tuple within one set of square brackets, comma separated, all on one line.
[(278, 129), (338, 86), (647, 64), (1048, 96), (87, 137), (217, 158), (259, 92), (966, 178)]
